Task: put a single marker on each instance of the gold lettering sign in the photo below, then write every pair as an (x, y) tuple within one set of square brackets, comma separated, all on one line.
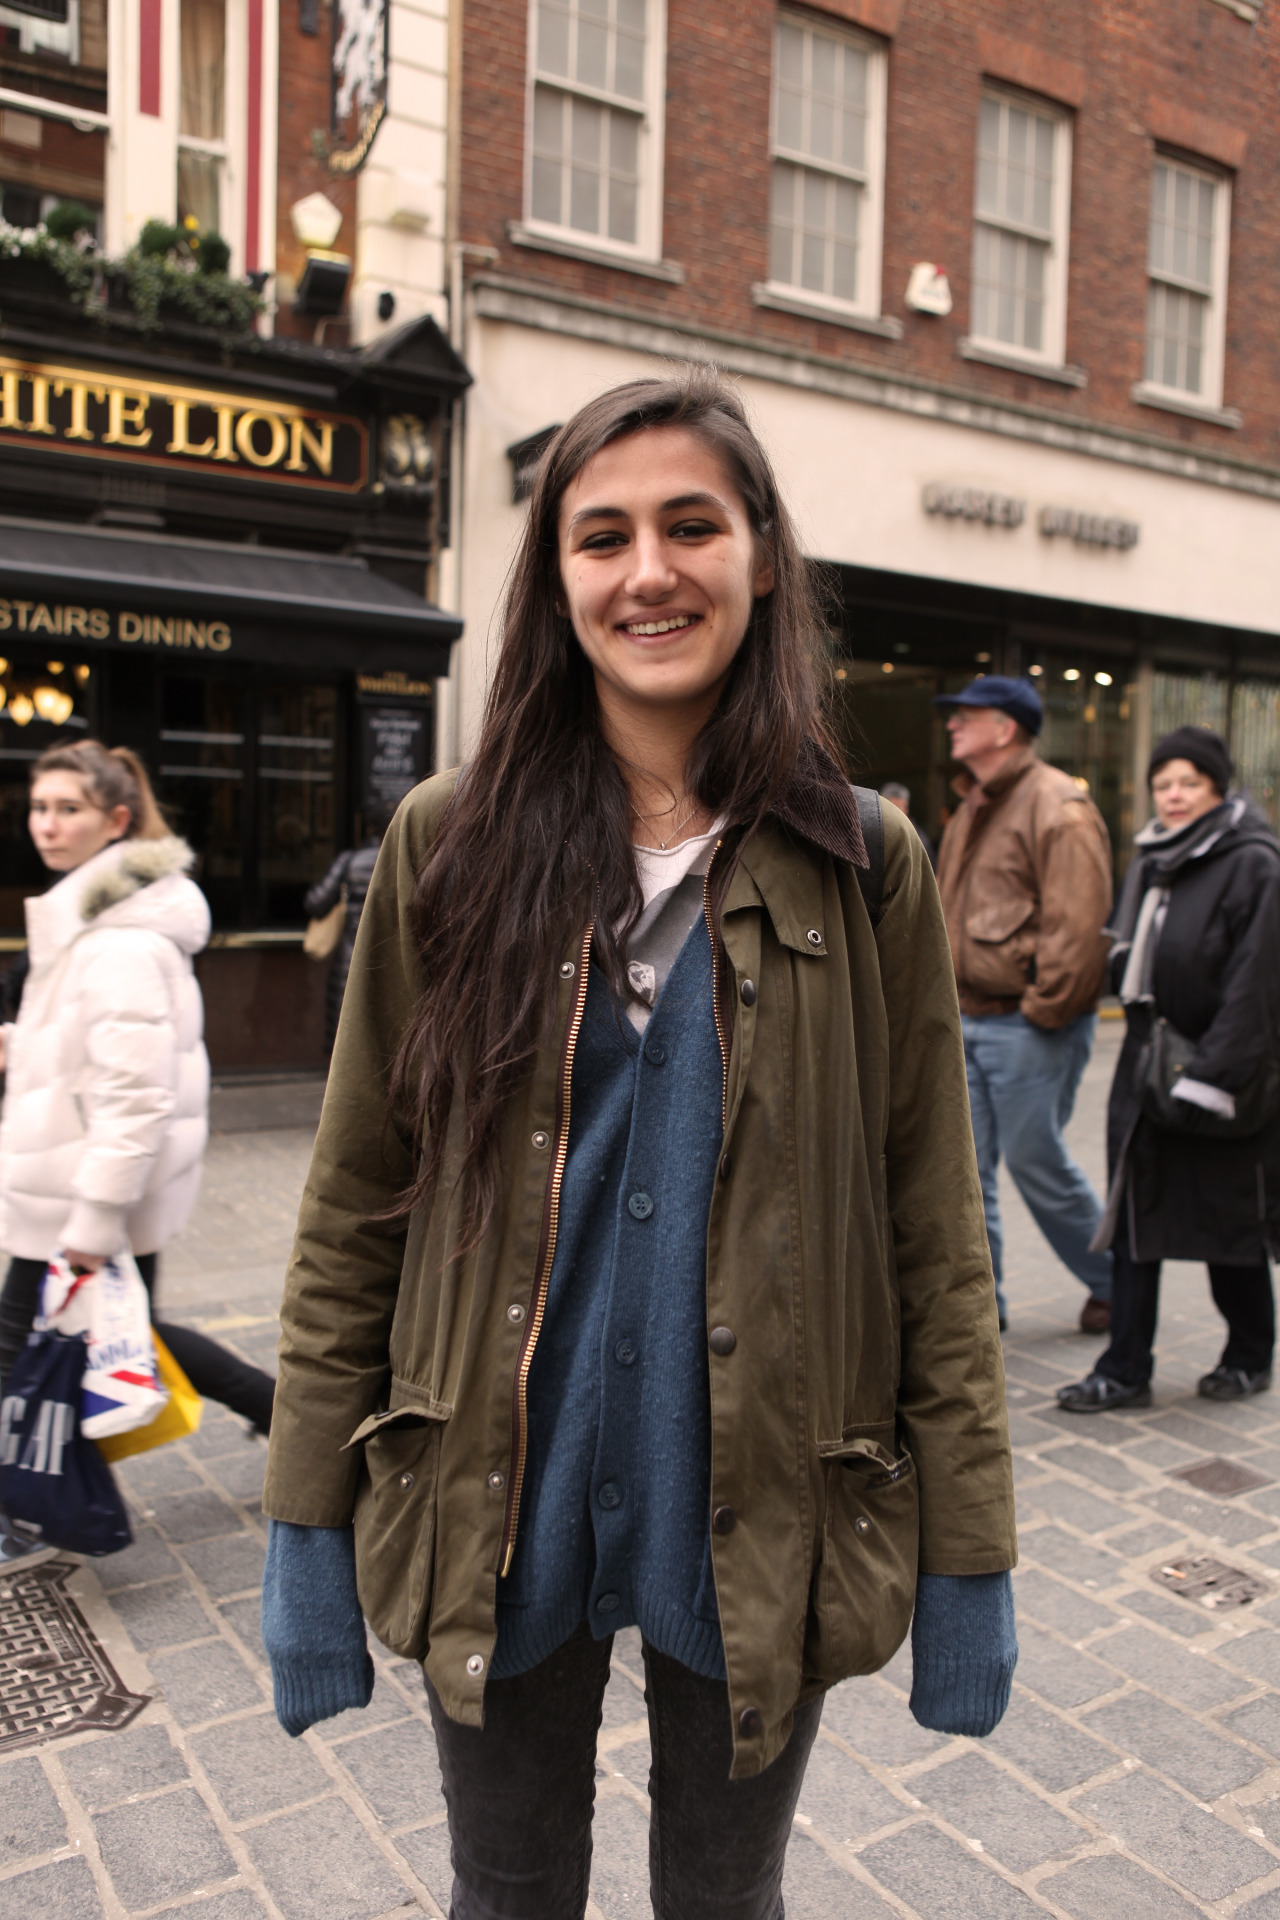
[(173, 630), (37, 616), (156, 423)]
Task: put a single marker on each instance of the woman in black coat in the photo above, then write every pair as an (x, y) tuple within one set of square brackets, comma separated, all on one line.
[(1197, 944), (353, 870)]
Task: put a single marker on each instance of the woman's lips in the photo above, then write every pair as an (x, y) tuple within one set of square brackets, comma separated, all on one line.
[(654, 629)]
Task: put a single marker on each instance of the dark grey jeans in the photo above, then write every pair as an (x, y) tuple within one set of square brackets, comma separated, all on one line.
[(520, 1795)]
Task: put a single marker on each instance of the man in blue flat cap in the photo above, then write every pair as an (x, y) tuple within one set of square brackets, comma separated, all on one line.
[(1025, 876)]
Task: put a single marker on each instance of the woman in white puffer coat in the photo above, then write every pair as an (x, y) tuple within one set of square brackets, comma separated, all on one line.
[(107, 1080)]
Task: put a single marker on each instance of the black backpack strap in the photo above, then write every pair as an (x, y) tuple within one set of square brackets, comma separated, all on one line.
[(871, 878)]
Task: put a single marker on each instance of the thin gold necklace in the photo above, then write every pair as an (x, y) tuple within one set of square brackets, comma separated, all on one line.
[(675, 831)]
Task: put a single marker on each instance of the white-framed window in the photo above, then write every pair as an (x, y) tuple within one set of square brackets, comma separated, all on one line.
[(1022, 218), (202, 106), (1187, 280), (827, 188), (595, 123)]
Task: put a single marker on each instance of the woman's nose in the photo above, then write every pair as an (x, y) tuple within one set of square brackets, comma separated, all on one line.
[(651, 570)]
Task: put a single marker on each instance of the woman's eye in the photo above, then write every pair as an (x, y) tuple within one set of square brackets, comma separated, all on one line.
[(693, 530), (601, 542)]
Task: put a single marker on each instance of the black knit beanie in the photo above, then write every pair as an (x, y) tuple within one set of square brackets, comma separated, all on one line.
[(1202, 747)]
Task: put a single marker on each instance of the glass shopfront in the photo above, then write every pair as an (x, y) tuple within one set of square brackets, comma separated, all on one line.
[(1112, 683)]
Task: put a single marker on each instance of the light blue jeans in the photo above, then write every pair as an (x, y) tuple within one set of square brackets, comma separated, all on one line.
[(1022, 1089)]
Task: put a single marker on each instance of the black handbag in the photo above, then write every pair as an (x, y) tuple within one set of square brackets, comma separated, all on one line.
[(1163, 1060)]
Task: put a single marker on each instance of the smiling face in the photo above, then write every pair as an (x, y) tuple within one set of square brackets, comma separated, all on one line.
[(1180, 793), (67, 827), (659, 570)]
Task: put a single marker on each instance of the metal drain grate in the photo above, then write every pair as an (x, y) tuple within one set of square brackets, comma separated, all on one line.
[(1220, 1476), (54, 1676), (1210, 1583)]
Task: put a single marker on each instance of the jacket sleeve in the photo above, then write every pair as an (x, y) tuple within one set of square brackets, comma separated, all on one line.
[(326, 893), (344, 1275), (951, 1405), (1230, 1051), (1075, 899), (127, 1094)]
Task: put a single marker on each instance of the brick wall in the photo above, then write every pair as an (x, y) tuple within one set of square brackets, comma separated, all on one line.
[(304, 110), (1186, 72)]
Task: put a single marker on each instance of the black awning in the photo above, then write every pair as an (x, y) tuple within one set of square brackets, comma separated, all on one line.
[(273, 603)]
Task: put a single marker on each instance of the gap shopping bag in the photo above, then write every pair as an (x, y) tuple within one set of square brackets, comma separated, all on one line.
[(175, 1420), (51, 1476), (121, 1387)]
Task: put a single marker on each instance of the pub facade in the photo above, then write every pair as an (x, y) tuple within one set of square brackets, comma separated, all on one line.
[(224, 556)]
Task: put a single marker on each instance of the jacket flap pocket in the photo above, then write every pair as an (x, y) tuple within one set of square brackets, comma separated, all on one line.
[(419, 1416), (882, 1465), (998, 920)]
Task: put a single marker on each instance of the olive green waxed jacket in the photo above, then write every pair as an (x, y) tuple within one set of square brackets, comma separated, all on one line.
[(858, 1425)]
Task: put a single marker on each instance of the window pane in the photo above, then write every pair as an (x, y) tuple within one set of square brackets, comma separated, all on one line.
[(586, 127), (821, 97), (783, 222), (1015, 165), (548, 155), (202, 41), (1175, 337), (593, 53), (553, 39), (624, 150), (1182, 215), (199, 190), (1009, 273), (629, 69)]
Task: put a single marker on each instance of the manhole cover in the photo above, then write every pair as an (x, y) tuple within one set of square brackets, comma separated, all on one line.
[(54, 1676), (1210, 1583), (1220, 1476)]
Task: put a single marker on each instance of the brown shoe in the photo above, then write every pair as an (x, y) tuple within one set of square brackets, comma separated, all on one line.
[(1095, 1316)]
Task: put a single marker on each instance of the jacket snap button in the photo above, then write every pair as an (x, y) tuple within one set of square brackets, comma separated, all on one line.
[(475, 1665), (541, 1139), (640, 1206), (726, 1166), (515, 1311), (814, 937), (722, 1340), (862, 1524), (406, 1481), (567, 969), (497, 1481), (747, 992), (724, 1519), (749, 1722)]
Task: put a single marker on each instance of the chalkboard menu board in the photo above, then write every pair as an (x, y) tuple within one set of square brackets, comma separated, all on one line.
[(395, 753)]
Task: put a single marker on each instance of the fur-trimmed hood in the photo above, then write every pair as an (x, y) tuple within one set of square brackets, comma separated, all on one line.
[(131, 883)]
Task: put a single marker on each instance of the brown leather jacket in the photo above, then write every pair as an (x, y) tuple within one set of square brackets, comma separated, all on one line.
[(1025, 877)]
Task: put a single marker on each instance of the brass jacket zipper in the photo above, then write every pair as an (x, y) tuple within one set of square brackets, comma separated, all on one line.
[(546, 1255), (715, 989)]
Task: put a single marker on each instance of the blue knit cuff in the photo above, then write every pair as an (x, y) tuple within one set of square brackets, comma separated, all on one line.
[(307, 1691), (964, 1648), (312, 1626)]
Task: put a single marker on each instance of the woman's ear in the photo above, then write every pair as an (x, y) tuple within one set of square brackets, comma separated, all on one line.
[(119, 818), (765, 577)]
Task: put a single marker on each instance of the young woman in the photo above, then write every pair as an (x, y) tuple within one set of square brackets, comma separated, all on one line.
[(1196, 935), (641, 1275), (107, 1081)]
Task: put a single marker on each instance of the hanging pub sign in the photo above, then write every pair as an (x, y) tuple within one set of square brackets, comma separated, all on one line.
[(95, 414), (358, 103)]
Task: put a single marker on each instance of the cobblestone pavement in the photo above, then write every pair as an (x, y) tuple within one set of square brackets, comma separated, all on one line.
[(1137, 1773)]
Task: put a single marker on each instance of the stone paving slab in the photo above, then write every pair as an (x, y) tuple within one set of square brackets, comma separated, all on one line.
[(1136, 1776)]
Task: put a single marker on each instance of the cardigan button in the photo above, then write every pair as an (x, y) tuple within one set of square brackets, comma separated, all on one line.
[(475, 1665), (608, 1603), (814, 937), (640, 1206), (747, 993), (515, 1312), (541, 1139), (724, 1520), (406, 1481), (722, 1340), (862, 1524), (567, 969), (750, 1725)]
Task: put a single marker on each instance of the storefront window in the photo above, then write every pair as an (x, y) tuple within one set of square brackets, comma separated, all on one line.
[(297, 776), (44, 702), (1087, 708), (201, 769), (1255, 743), (1187, 699)]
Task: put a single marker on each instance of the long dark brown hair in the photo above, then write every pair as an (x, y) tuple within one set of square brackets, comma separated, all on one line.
[(537, 838)]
